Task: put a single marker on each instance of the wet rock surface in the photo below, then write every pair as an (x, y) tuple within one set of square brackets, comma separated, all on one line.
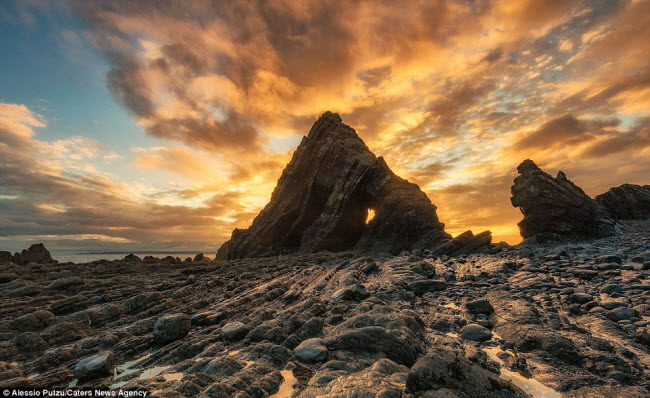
[(322, 200), (571, 317)]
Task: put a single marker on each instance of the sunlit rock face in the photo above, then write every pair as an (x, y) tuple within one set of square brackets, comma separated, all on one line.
[(628, 201), (322, 199), (556, 207)]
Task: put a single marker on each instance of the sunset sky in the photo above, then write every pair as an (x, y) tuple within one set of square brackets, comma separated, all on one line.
[(163, 125)]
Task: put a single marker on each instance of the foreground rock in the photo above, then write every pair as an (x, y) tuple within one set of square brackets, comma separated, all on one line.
[(322, 199), (556, 207), (445, 373), (570, 317), (628, 201), (98, 365), (171, 327)]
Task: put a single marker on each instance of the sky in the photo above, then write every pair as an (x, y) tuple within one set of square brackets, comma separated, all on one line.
[(163, 125)]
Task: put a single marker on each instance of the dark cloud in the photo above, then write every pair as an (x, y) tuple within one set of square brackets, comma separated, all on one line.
[(565, 130), (374, 76), (636, 139), (429, 173), (493, 55), (37, 200)]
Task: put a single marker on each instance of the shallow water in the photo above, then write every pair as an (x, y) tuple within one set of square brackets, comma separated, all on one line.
[(286, 388), (530, 386), (173, 376), (153, 372)]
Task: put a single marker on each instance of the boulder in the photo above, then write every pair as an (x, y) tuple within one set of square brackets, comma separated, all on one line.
[(426, 286), (356, 291), (627, 201), (481, 306), (581, 298), (234, 331), (446, 373), (397, 345), (98, 365), (322, 200), (475, 332), (556, 207), (311, 350), (171, 328), (620, 314)]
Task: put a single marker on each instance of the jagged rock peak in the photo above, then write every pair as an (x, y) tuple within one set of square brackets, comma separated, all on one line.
[(556, 207), (36, 253), (527, 166), (627, 201), (322, 200)]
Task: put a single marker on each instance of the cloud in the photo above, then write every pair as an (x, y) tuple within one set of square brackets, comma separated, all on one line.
[(53, 196), (453, 94), (564, 130)]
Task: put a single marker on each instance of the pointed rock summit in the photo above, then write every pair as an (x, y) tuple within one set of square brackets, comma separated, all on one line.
[(322, 200), (556, 207)]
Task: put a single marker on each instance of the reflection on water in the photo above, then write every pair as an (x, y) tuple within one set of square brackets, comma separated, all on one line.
[(153, 372), (530, 386), (173, 376), (286, 388)]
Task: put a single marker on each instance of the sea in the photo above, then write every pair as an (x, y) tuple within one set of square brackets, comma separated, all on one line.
[(80, 258)]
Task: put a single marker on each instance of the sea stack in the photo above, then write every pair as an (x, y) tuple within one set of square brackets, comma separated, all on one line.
[(556, 207), (322, 200)]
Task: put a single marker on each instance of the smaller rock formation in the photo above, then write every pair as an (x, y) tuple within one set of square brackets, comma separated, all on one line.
[(311, 350), (36, 253), (171, 328), (627, 202), (556, 207), (98, 365), (5, 257)]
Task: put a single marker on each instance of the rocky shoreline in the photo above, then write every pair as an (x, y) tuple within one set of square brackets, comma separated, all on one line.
[(572, 316), (314, 301)]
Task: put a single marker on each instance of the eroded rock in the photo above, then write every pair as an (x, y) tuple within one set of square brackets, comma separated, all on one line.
[(556, 207), (627, 201), (322, 199)]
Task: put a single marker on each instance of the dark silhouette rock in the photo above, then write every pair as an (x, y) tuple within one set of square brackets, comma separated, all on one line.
[(132, 257), (322, 199), (5, 257), (36, 253), (464, 243), (556, 207), (628, 201)]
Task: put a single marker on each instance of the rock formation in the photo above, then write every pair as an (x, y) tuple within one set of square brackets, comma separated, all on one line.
[(36, 253), (322, 199), (627, 201), (557, 207)]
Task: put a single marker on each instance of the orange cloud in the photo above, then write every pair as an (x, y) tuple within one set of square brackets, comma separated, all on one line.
[(453, 94)]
